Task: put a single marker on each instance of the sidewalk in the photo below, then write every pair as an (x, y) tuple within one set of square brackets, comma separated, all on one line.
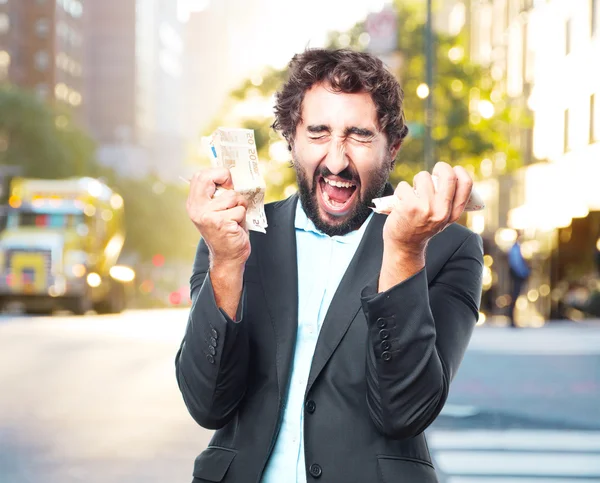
[(500, 321), (554, 338)]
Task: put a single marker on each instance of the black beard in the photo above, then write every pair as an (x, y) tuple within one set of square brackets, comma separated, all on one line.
[(359, 214)]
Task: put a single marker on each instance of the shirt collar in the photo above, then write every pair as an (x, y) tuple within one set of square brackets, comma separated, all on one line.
[(302, 222)]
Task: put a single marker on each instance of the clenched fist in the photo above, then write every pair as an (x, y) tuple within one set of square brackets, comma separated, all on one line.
[(219, 219), (422, 212)]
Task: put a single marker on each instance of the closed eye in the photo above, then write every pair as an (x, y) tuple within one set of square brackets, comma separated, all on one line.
[(362, 140)]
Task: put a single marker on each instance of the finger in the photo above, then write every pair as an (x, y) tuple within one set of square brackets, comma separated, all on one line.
[(237, 214), (406, 194), (446, 182), (204, 184), (423, 186), (226, 200), (464, 185)]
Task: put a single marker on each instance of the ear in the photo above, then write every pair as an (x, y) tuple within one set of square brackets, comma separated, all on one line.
[(393, 153), (394, 150)]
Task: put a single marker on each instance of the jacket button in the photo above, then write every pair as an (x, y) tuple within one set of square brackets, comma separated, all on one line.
[(384, 334), (385, 345), (210, 358), (381, 323), (212, 350), (213, 342), (214, 333), (386, 356), (315, 471), (310, 406)]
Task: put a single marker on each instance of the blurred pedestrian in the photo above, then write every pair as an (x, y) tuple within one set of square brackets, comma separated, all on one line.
[(519, 274), (325, 347)]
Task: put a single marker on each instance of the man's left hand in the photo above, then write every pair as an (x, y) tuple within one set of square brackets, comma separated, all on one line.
[(422, 212)]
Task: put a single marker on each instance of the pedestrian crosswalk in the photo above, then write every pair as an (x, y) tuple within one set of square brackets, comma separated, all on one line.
[(516, 456)]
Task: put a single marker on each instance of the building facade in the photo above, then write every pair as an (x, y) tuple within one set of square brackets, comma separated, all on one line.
[(543, 56), (42, 48)]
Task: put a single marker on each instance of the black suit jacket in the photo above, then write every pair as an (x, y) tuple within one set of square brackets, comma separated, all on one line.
[(380, 372)]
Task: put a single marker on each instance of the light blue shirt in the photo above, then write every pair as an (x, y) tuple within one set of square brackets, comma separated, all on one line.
[(322, 262)]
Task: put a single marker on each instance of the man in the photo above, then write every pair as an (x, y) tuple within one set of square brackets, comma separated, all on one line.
[(323, 349), (519, 273)]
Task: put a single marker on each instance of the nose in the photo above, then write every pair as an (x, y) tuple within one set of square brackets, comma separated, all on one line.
[(337, 161)]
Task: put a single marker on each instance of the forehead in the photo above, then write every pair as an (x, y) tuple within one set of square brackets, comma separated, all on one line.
[(323, 106)]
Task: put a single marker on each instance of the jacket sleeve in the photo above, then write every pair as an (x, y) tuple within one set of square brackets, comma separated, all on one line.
[(213, 359), (417, 335)]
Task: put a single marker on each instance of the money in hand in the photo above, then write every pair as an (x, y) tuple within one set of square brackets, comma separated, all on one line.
[(235, 149), (384, 205)]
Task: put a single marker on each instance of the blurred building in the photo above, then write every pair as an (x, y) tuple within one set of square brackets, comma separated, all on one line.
[(160, 50), (42, 48), (206, 76), (543, 55), (135, 86)]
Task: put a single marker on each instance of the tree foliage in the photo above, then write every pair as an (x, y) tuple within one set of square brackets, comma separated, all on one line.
[(46, 143), (41, 139)]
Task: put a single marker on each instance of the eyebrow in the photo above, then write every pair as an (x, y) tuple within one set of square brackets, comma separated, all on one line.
[(358, 131), (318, 128), (366, 133)]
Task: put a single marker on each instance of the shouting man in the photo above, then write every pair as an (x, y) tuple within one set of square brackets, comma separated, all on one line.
[(323, 349)]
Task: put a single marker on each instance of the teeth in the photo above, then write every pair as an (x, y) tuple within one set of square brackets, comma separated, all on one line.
[(333, 203), (339, 184)]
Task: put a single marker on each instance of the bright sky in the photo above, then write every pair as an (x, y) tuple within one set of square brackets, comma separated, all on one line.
[(294, 24)]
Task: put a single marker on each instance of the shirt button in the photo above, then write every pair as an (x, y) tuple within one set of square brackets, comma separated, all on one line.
[(384, 334), (381, 323), (315, 471), (386, 356), (310, 406), (385, 345)]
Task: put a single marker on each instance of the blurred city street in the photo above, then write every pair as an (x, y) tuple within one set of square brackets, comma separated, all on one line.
[(95, 399)]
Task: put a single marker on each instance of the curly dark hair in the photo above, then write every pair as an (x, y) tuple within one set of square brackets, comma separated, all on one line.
[(345, 71)]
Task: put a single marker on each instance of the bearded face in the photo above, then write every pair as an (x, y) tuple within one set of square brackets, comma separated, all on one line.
[(342, 160)]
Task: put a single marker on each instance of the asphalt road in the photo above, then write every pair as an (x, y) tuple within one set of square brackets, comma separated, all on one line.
[(94, 399)]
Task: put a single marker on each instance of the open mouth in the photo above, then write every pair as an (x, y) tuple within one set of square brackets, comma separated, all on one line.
[(337, 195)]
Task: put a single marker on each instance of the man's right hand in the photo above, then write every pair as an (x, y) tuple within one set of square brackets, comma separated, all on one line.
[(220, 219)]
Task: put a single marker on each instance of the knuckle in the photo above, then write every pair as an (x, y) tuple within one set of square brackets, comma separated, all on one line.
[(204, 218)]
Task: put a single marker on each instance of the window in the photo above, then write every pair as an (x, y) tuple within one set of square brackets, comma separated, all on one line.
[(4, 23), (42, 28), (41, 60), (566, 132), (568, 37)]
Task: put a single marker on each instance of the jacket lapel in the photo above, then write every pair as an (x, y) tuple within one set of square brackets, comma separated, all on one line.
[(363, 268), (279, 273)]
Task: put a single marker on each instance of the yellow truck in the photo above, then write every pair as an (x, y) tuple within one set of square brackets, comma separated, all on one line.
[(61, 246)]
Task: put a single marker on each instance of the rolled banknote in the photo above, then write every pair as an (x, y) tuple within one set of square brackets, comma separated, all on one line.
[(235, 149), (384, 205)]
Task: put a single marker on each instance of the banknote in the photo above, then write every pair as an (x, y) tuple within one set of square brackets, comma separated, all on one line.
[(384, 205), (235, 149)]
